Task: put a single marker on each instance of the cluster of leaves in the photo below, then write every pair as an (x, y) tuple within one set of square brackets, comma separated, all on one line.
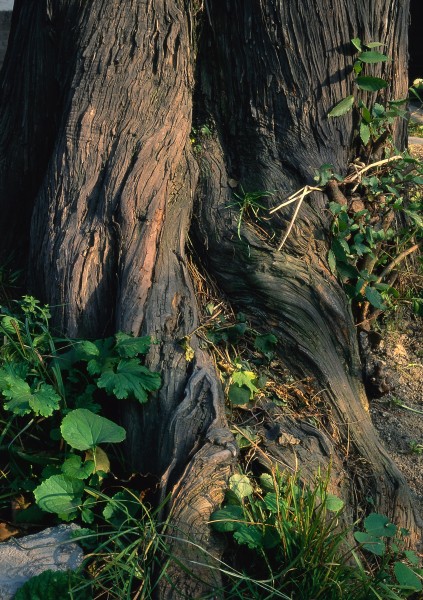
[(374, 120), (242, 381), (293, 543), (369, 233), (249, 205), (398, 569), (52, 392)]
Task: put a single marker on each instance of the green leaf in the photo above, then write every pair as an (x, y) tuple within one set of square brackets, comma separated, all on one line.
[(128, 346), (53, 585), (246, 379), (367, 117), (356, 42), (249, 535), (379, 525), (372, 56), (364, 133), (105, 356), (372, 544), (333, 503), (229, 518), (74, 468), (59, 494), (373, 44), (374, 298), (267, 482), (22, 400), (332, 262), (240, 485), (271, 502), (412, 557), (266, 344), (129, 379), (371, 84), (406, 577), (238, 395), (83, 430), (121, 507), (342, 107)]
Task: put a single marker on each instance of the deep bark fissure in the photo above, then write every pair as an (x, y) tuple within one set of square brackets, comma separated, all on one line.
[(103, 171)]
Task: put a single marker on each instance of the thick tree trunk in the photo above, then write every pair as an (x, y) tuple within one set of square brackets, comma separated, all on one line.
[(100, 183)]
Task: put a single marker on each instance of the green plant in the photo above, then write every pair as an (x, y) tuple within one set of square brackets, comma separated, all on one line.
[(248, 204), (52, 391), (396, 570), (294, 544), (415, 447)]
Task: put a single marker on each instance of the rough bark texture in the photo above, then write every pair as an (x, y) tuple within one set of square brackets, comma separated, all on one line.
[(99, 180)]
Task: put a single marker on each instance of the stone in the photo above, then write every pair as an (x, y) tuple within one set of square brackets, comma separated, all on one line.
[(25, 557)]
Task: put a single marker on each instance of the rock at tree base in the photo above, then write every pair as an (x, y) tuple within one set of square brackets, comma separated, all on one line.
[(23, 558)]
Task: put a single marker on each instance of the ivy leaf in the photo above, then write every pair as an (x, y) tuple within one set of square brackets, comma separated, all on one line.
[(250, 535), (342, 107), (59, 494), (229, 518), (130, 379), (246, 379), (266, 344), (371, 84), (333, 503), (370, 543), (240, 485), (74, 468), (128, 346), (379, 525), (406, 577), (356, 42), (364, 133), (238, 395), (84, 430), (374, 298), (372, 56)]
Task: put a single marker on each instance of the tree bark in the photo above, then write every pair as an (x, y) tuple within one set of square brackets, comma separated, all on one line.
[(100, 184)]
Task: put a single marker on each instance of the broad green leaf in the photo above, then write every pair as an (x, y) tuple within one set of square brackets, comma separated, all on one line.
[(364, 133), (412, 557), (104, 357), (406, 577), (240, 485), (379, 525), (266, 344), (342, 107), (356, 42), (44, 401), (129, 380), (246, 379), (333, 503), (128, 346), (374, 298), (229, 518), (22, 400), (83, 430), (74, 468), (371, 84), (372, 56), (367, 117), (249, 535), (10, 325), (370, 543), (238, 395), (59, 494)]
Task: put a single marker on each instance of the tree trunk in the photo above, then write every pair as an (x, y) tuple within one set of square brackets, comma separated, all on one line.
[(99, 182)]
